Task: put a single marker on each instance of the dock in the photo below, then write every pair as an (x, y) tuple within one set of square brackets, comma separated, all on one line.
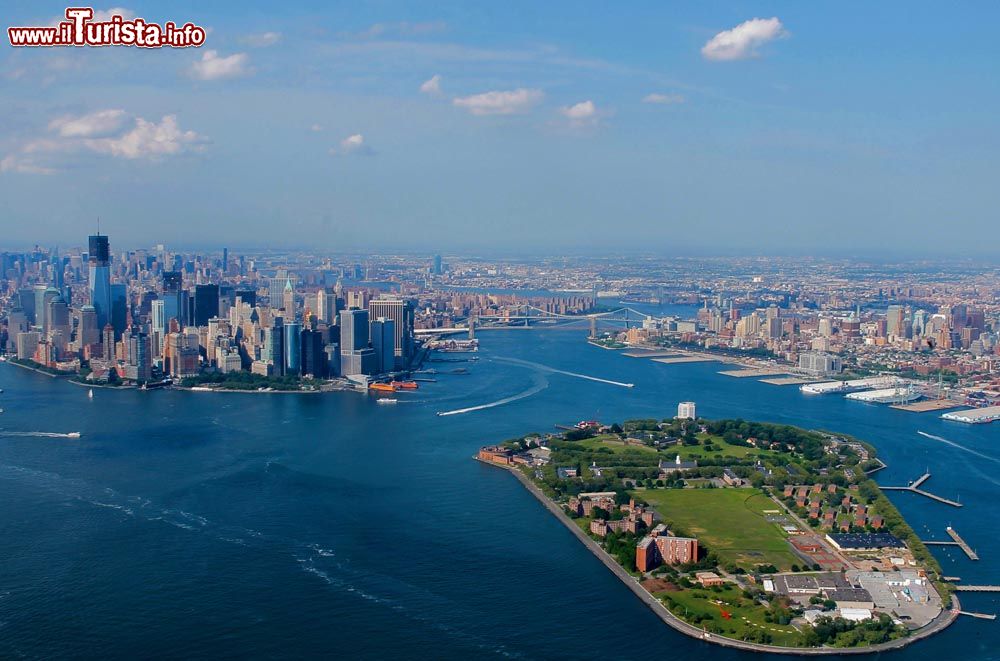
[(928, 405), (981, 616), (956, 541), (978, 588), (914, 487)]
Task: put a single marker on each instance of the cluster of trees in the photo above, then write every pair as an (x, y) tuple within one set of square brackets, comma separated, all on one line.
[(244, 381), (736, 432), (843, 633)]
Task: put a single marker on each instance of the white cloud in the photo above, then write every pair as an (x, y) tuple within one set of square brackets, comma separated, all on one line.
[(148, 140), (743, 40), (262, 39), (96, 124), (664, 99), (500, 102), (108, 132), (213, 67), (352, 144), (581, 114), (431, 86), (316, 128)]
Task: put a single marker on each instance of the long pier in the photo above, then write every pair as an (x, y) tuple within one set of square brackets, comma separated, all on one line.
[(956, 541), (914, 487), (978, 588), (981, 616)]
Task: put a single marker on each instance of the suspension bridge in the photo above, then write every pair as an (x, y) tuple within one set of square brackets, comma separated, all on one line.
[(527, 316)]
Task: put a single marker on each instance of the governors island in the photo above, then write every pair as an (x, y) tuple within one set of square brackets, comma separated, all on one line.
[(758, 536)]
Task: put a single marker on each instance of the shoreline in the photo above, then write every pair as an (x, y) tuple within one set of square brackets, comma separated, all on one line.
[(945, 619), (36, 370)]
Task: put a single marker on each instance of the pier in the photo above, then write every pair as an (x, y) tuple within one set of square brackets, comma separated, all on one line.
[(914, 487), (978, 588), (956, 541), (981, 616)]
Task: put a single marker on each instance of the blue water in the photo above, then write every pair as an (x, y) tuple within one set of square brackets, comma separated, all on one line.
[(204, 524)]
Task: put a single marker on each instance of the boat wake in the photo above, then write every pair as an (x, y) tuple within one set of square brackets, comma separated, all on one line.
[(553, 370), (41, 434), (959, 447), (540, 384)]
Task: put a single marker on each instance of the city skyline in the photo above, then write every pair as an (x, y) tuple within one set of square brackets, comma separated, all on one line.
[(712, 130)]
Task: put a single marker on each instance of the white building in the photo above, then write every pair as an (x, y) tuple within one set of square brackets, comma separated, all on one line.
[(686, 411)]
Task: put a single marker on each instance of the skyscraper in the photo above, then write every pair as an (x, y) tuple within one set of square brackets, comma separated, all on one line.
[(383, 337), (99, 285), (293, 348), (119, 308), (401, 314), (356, 357), (206, 303), (173, 301)]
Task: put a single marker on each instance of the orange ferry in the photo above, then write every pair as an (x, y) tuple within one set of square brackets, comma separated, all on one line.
[(405, 385), (382, 387)]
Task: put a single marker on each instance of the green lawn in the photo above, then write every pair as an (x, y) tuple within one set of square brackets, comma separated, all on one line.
[(613, 443), (700, 601), (730, 522)]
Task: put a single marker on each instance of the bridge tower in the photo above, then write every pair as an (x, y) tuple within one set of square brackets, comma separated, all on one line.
[(472, 328), (593, 328)]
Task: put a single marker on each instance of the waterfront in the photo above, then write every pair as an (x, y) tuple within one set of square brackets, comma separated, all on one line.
[(214, 524)]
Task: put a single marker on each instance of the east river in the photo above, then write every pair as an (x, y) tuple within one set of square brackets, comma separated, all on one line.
[(185, 524)]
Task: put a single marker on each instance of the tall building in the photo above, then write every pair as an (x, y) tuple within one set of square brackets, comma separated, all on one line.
[(173, 298), (273, 349), (383, 338), (894, 320), (119, 308), (288, 298), (687, 411), (356, 357), (99, 283), (206, 303), (293, 348), (401, 314), (353, 330), (437, 265), (314, 359)]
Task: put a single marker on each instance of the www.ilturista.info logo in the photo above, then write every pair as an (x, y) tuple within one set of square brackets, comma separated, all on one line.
[(81, 29)]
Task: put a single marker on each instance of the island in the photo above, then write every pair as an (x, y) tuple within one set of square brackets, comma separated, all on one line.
[(752, 535)]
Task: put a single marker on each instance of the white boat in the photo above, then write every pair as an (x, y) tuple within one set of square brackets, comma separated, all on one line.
[(73, 434), (90, 393), (386, 401)]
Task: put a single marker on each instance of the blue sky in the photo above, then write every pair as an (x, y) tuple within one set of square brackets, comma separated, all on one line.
[(848, 127)]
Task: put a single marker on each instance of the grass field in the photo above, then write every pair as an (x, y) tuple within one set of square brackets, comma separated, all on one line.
[(744, 614), (729, 522)]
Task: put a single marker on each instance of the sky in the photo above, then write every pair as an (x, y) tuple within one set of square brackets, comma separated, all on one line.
[(536, 127)]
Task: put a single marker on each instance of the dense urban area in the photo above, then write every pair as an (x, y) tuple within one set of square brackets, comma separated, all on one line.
[(924, 336)]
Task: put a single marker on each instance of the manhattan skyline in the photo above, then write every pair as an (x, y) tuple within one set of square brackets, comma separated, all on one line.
[(766, 128)]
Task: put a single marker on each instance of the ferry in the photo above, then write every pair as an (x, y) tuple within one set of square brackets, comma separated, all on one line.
[(73, 434), (405, 385), (386, 400), (382, 387)]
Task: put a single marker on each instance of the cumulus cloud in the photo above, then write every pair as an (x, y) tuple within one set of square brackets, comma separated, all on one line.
[(431, 86), (111, 132), (262, 39), (96, 124), (664, 99), (580, 114), (212, 66), (352, 144), (508, 102), (742, 41), (148, 140)]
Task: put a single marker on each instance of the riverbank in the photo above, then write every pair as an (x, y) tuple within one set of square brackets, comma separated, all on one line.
[(34, 369), (940, 623)]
